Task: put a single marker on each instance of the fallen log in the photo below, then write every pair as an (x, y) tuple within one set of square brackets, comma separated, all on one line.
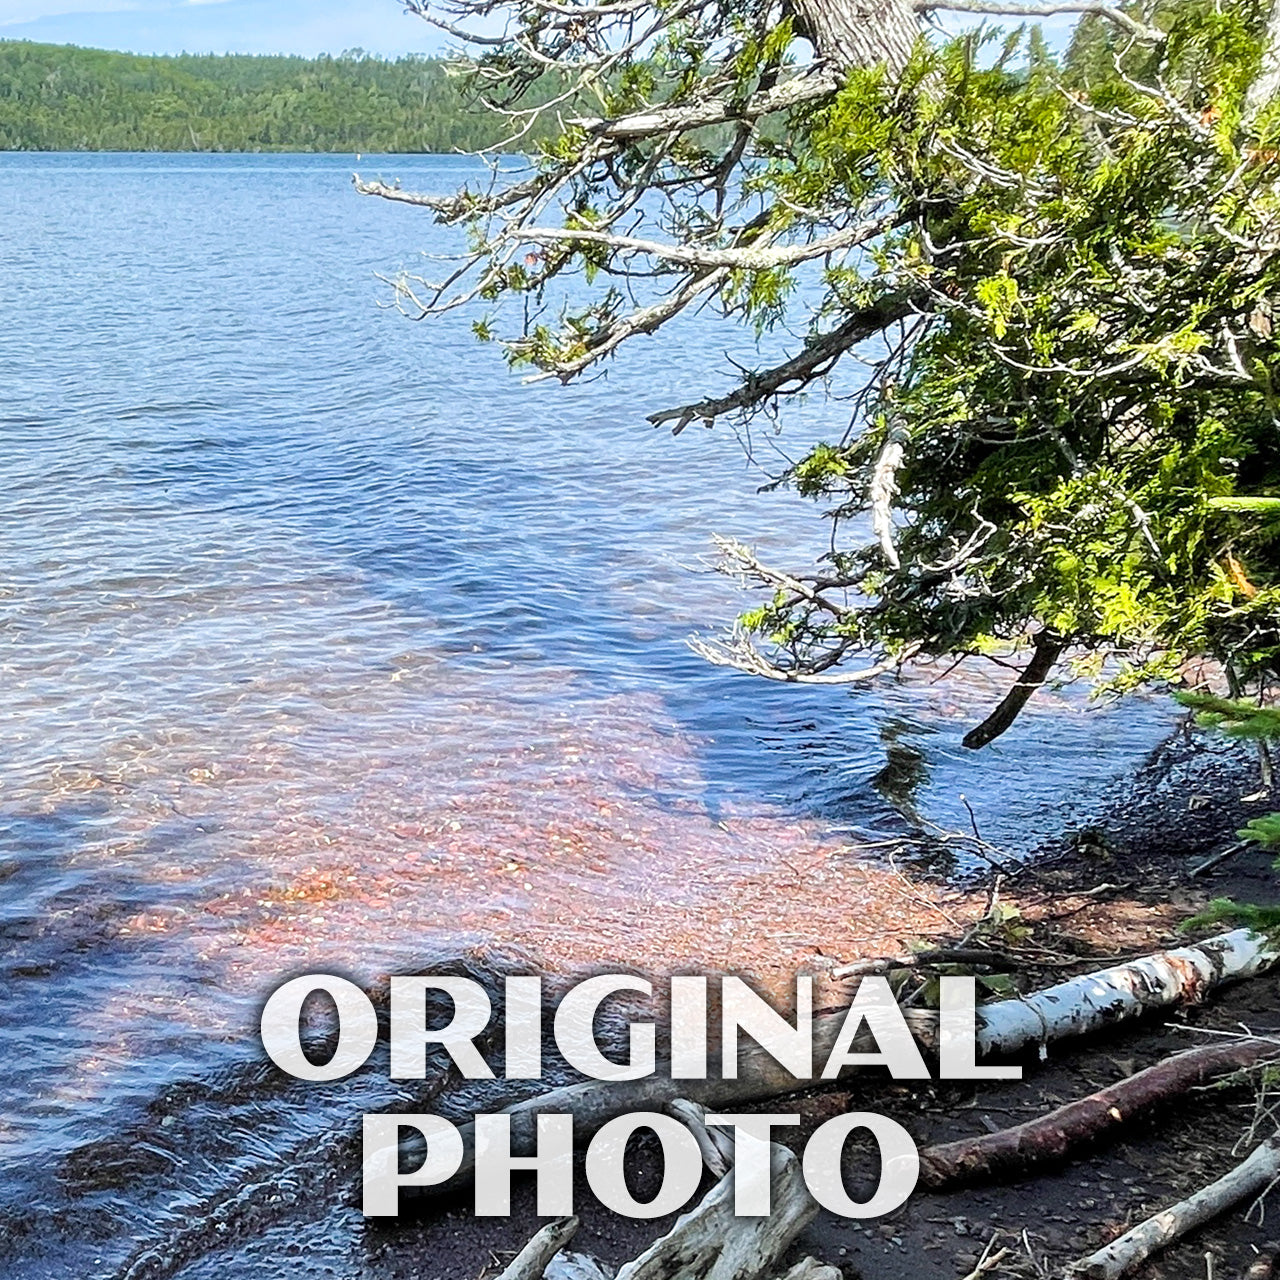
[(1250, 1178), (1091, 1002), (1051, 1137), (1125, 991)]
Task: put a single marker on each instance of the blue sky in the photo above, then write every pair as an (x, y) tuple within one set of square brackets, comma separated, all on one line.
[(221, 26), (251, 26)]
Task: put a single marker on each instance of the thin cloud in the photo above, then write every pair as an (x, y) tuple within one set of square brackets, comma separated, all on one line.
[(13, 12)]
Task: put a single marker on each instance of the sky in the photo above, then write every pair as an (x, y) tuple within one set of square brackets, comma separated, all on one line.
[(307, 27), (221, 26)]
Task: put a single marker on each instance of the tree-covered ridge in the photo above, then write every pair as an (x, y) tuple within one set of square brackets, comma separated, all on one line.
[(64, 98)]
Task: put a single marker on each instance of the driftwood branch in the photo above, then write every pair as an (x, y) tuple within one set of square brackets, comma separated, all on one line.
[(812, 1269), (1052, 1136), (533, 1260), (1253, 1177), (712, 1243)]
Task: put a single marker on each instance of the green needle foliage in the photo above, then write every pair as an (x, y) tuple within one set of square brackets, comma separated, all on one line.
[(1062, 273), (1095, 373)]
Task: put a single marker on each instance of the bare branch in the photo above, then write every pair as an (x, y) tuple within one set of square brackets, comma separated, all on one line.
[(1032, 10), (813, 362), (699, 113), (738, 652), (745, 258), (644, 320)]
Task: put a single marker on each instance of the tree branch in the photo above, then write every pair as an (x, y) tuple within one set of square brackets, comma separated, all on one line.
[(812, 362), (746, 258), (1032, 10), (699, 113), (1048, 650)]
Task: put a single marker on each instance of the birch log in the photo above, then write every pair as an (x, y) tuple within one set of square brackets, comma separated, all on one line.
[(1251, 1178), (1005, 1028), (1100, 1000)]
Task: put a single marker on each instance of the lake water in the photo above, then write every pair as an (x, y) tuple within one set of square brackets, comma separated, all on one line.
[(329, 644)]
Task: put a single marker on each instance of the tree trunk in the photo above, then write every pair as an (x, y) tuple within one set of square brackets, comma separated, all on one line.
[(847, 34)]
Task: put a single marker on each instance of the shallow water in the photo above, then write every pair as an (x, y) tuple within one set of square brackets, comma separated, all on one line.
[(328, 644)]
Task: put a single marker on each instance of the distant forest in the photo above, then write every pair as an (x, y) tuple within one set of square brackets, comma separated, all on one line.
[(63, 98)]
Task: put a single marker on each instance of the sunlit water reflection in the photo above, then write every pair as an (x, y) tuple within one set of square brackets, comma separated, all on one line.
[(328, 644)]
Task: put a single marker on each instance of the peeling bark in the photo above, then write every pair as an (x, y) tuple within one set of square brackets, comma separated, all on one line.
[(884, 487), (1051, 1137), (1126, 991)]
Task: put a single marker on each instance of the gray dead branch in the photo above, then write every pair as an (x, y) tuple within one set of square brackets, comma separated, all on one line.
[(708, 1243), (1252, 1178), (532, 1261)]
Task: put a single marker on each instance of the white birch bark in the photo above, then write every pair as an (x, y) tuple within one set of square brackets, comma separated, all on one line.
[(1099, 1000)]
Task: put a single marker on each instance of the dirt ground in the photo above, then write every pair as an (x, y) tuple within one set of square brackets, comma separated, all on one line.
[(1119, 887)]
